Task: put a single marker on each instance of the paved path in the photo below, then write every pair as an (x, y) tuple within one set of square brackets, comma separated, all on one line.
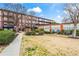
[(14, 48)]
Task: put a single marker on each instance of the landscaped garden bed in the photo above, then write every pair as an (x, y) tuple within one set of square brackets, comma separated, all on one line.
[(49, 45), (6, 37)]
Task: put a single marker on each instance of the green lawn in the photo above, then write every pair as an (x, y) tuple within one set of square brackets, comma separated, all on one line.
[(6, 37)]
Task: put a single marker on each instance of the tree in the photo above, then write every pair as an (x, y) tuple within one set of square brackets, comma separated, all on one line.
[(73, 15), (53, 22), (15, 7), (31, 13)]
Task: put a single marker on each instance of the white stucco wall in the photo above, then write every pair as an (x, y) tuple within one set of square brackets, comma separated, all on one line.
[(57, 27), (68, 26), (47, 28)]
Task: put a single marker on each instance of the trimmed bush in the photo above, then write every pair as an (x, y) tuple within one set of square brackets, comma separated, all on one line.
[(28, 33), (6, 36), (36, 32), (33, 33), (69, 32), (77, 33), (66, 32), (40, 31), (46, 32)]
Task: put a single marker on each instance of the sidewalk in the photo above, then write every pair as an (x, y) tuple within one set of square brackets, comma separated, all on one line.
[(14, 48)]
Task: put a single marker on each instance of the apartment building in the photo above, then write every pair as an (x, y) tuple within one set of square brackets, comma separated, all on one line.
[(18, 21)]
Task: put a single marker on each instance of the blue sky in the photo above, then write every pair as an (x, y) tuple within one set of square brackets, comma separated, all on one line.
[(52, 11), (49, 10)]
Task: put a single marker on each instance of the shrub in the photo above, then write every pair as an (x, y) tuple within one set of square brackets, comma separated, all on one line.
[(33, 33), (36, 32), (47, 32), (68, 32), (77, 33), (28, 33), (6, 36), (41, 32), (53, 32)]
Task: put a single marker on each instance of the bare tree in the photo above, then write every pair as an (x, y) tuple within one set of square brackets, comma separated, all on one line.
[(31, 13), (66, 20), (73, 15), (15, 7)]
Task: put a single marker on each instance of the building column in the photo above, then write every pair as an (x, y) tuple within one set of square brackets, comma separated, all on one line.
[(50, 27), (61, 27), (2, 20)]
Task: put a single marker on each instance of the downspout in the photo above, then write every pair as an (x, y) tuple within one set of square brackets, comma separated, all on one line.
[(50, 27), (61, 27)]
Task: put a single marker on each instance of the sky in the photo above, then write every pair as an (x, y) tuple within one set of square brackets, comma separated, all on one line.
[(53, 11)]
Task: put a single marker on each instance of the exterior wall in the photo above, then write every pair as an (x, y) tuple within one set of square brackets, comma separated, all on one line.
[(55, 28), (8, 20), (47, 28), (0, 25), (18, 21), (0, 21), (41, 27), (68, 26), (77, 26), (58, 27)]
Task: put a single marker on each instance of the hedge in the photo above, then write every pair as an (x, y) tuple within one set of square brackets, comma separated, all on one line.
[(77, 33), (69, 32), (66, 32), (6, 36), (36, 32)]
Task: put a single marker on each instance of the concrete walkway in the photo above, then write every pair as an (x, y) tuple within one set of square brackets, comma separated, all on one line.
[(14, 48)]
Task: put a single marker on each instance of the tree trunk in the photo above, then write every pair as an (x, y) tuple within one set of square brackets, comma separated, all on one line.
[(74, 32)]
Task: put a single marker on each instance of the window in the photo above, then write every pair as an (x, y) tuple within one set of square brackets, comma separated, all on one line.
[(10, 13), (0, 24), (19, 16), (5, 13), (29, 17), (0, 18), (5, 23), (19, 20), (11, 19), (23, 21), (5, 18), (0, 13)]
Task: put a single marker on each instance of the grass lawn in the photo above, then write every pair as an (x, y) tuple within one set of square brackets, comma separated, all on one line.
[(6, 37), (49, 45)]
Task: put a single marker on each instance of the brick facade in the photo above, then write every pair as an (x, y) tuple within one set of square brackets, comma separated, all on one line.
[(19, 21)]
